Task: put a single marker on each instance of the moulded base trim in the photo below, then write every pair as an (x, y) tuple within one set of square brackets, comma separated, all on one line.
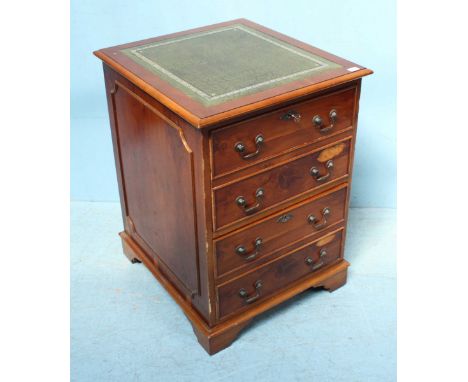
[(220, 336)]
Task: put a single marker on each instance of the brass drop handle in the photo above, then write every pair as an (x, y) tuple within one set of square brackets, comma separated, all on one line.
[(311, 219), (242, 252), (250, 299), (242, 203), (240, 147), (315, 266), (318, 122), (314, 171), (310, 261), (292, 115)]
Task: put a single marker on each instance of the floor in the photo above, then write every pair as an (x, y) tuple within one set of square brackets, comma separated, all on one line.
[(125, 327)]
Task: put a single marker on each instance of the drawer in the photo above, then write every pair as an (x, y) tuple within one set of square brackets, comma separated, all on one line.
[(266, 189), (256, 244), (263, 282), (255, 140)]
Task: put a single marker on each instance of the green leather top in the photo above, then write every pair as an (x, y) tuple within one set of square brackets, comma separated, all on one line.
[(227, 63)]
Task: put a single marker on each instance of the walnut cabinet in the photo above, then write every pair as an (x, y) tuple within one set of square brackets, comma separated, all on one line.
[(234, 153)]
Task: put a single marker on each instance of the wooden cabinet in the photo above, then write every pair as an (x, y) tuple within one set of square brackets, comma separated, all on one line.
[(234, 148)]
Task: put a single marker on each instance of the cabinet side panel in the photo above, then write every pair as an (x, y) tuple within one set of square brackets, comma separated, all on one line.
[(115, 140), (157, 169)]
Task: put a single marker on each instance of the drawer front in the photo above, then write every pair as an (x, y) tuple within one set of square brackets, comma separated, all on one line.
[(266, 189), (235, 147), (265, 281), (254, 245)]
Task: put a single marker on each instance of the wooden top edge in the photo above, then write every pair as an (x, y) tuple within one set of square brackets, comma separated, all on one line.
[(200, 121), (290, 96), (166, 101)]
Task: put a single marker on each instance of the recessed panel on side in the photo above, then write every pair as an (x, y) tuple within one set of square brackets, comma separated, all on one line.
[(157, 172)]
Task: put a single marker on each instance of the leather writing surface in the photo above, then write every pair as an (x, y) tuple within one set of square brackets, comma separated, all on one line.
[(227, 63)]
